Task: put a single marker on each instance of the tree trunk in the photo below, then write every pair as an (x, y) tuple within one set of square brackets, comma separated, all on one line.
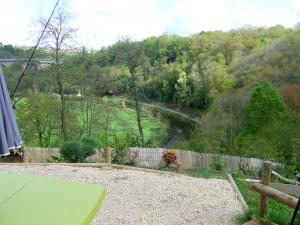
[(63, 110), (62, 99), (137, 109)]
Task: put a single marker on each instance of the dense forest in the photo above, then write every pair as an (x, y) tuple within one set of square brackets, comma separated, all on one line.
[(243, 85)]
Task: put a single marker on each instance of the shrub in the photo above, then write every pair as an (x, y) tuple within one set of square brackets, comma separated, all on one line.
[(169, 157), (55, 159), (120, 144), (75, 151), (217, 163), (72, 152), (88, 146)]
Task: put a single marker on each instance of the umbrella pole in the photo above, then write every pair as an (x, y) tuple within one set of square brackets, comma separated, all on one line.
[(295, 212)]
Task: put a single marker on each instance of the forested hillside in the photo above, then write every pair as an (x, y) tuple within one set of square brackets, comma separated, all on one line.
[(242, 84)]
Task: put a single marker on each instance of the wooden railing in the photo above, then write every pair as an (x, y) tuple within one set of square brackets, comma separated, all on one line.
[(283, 193)]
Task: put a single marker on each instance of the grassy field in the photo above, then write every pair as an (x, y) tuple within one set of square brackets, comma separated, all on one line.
[(123, 120), (112, 119)]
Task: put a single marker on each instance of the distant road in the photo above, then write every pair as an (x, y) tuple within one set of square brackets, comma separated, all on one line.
[(37, 60), (188, 117)]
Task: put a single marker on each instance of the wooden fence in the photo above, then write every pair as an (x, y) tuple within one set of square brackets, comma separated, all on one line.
[(152, 158), (279, 192), (42, 155)]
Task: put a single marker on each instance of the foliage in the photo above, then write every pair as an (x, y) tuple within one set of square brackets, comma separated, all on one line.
[(169, 157), (56, 159), (217, 163), (74, 151), (120, 144), (210, 73), (200, 98), (266, 132), (265, 106), (88, 146), (181, 88), (291, 96), (38, 117), (38, 120)]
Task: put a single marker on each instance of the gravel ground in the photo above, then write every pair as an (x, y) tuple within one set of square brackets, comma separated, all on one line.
[(140, 198)]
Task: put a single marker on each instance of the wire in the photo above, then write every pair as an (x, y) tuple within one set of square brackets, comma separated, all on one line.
[(35, 47)]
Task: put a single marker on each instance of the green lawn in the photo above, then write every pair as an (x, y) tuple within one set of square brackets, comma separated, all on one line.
[(124, 120), (110, 118)]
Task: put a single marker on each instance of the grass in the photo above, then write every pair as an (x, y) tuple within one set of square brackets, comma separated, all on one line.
[(277, 212), (120, 121), (244, 217), (125, 119), (207, 173)]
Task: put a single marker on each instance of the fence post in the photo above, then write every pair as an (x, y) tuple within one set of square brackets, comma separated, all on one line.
[(107, 151), (265, 180), (178, 167)]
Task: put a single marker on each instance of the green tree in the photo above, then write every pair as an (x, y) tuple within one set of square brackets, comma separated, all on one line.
[(38, 118), (132, 55), (200, 98), (266, 133), (181, 88), (265, 106), (57, 39)]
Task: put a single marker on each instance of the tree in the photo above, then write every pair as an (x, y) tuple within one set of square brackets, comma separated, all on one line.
[(38, 118), (132, 55), (200, 98), (291, 95), (57, 38), (265, 106), (181, 88), (266, 132)]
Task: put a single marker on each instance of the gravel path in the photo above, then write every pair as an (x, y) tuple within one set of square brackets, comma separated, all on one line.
[(140, 198)]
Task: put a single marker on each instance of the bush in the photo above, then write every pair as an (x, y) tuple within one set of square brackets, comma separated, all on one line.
[(88, 146), (75, 151), (217, 163), (120, 143), (72, 152), (169, 157)]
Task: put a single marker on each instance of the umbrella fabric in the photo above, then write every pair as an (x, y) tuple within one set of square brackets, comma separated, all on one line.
[(10, 137)]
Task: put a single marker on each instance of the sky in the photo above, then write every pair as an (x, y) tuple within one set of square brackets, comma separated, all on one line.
[(103, 22)]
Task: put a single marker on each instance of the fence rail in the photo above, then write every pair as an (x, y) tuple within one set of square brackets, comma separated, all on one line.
[(152, 158), (277, 191)]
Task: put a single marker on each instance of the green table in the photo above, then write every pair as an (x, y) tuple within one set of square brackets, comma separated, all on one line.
[(36, 200)]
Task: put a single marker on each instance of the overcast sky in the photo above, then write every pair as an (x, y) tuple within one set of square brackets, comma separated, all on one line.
[(103, 22)]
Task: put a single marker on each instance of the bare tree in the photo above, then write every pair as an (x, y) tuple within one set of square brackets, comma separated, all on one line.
[(133, 57), (57, 38)]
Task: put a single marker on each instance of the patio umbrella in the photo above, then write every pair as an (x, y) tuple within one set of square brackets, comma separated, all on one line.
[(10, 137)]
